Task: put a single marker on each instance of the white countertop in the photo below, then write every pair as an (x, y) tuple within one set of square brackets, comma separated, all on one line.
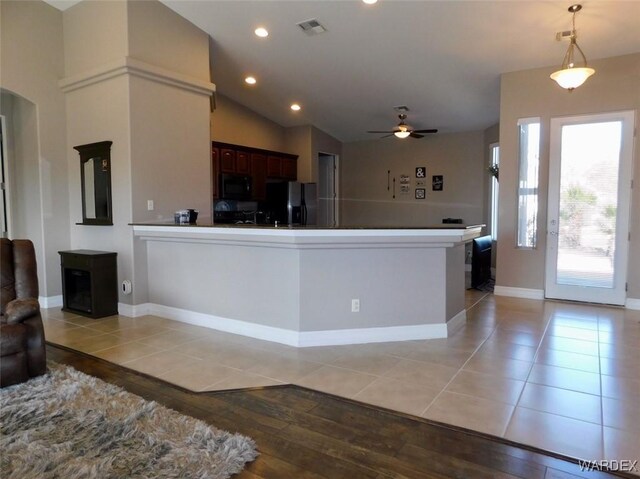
[(311, 237)]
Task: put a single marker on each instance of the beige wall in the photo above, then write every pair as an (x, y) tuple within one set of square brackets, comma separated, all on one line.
[(95, 34), (157, 35), (171, 162), (298, 140), (234, 123), (159, 128), (459, 157), (31, 62), (530, 93)]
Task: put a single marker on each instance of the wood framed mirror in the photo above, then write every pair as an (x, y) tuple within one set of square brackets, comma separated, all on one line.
[(95, 178)]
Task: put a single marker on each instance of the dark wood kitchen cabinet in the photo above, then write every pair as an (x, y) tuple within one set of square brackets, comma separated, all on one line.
[(215, 169), (259, 176), (282, 167), (274, 166), (243, 166), (261, 165), (89, 282), (227, 160), (235, 162), (289, 169)]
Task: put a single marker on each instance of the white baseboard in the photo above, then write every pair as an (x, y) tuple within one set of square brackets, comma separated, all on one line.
[(518, 292), (370, 335), (457, 322), (50, 301), (632, 303), (133, 311), (288, 336)]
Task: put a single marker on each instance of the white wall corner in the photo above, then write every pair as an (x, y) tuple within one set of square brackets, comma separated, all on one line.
[(524, 293), (50, 301), (134, 310), (632, 303), (456, 323)]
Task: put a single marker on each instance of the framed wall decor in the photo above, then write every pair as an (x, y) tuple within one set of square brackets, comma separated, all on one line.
[(421, 193), (437, 182)]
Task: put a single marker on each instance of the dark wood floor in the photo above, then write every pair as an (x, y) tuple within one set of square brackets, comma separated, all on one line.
[(306, 434)]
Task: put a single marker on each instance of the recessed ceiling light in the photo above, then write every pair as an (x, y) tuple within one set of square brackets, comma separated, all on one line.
[(261, 32), (370, 2), (295, 107), (250, 80)]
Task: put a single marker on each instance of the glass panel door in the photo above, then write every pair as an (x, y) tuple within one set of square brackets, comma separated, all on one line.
[(589, 194)]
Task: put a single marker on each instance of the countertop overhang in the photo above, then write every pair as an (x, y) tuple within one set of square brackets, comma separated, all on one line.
[(301, 237)]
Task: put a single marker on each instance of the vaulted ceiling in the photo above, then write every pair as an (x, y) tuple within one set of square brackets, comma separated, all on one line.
[(442, 59)]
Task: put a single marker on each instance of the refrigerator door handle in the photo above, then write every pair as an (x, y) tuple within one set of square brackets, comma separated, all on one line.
[(304, 215)]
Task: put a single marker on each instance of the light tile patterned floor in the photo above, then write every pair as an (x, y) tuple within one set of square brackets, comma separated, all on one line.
[(560, 376)]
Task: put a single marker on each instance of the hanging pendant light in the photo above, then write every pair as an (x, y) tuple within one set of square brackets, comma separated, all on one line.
[(573, 74)]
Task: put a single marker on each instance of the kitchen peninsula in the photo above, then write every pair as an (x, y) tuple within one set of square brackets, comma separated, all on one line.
[(308, 286)]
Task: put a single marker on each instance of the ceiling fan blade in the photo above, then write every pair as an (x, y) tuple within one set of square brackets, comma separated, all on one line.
[(386, 136), (413, 134), (376, 131), (425, 131)]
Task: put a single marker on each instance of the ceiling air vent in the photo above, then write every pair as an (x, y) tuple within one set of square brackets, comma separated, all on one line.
[(312, 27)]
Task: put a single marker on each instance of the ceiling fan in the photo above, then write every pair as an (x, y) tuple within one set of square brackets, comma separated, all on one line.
[(403, 130)]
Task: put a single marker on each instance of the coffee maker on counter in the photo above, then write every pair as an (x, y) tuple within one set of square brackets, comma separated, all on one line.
[(185, 217)]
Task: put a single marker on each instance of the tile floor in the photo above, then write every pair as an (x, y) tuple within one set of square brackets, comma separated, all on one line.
[(560, 376)]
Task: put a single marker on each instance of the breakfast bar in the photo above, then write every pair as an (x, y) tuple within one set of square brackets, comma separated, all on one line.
[(308, 286)]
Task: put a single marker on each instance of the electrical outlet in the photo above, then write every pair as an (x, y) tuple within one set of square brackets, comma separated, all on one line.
[(355, 305), (149, 205)]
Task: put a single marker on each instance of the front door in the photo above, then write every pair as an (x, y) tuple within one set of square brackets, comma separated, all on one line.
[(590, 185)]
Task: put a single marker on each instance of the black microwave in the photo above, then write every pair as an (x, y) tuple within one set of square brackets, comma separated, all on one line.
[(235, 187)]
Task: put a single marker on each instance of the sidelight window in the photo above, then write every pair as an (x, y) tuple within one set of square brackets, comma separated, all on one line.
[(528, 163)]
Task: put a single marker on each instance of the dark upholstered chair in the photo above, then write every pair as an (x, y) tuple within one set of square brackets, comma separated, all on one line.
[(22, 350)]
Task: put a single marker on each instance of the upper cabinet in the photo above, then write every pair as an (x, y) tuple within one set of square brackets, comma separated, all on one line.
[(282, 166), (259, 175), (261, 165)]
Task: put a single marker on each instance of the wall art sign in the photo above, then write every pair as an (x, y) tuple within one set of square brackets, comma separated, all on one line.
[(405, 180), (421, 193), (421, 172), (404, 189), (438, 183), (421, 182)]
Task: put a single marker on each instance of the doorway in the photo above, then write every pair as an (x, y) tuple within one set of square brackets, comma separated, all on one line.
[(590, 171), (327, 189)]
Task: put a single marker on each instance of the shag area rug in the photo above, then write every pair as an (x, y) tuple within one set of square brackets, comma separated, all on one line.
[(69, 425)]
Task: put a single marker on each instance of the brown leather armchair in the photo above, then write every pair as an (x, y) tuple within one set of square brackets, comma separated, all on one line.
[(22, 349)]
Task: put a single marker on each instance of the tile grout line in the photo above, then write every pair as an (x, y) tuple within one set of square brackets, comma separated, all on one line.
[(602, 444), (526, 380), (461, 367)]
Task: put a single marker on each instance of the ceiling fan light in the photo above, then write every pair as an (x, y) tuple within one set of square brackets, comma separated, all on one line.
[(402, 134), (571, 78)]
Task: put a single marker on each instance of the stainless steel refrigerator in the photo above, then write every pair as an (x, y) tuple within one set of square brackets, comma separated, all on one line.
[(293, 203)]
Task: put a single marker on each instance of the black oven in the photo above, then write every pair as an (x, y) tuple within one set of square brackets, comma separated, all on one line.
[(235, 187)]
